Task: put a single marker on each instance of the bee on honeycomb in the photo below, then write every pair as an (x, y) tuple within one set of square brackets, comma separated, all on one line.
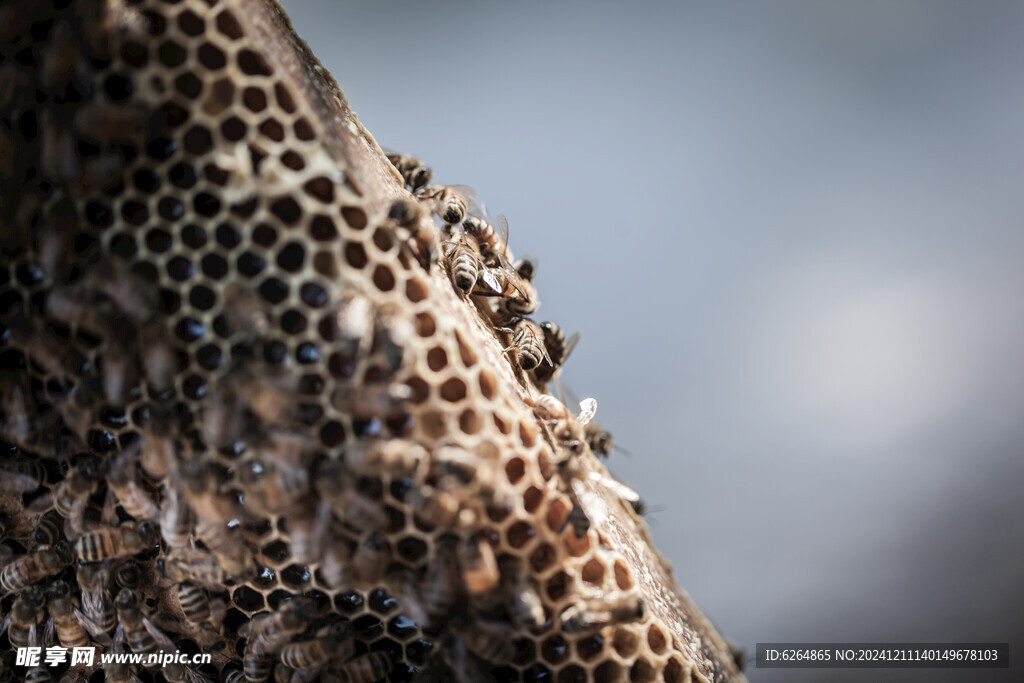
[(248, 414)]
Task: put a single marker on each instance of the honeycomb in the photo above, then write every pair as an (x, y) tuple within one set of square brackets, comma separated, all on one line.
[(244, 404)]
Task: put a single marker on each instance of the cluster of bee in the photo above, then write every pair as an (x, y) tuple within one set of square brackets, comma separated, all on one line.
[(477, 260)]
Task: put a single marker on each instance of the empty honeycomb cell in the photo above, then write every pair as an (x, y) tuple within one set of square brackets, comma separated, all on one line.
[(626, 642), (304, 129), (254, 99), (313, 295), (293, 322), (425, 325), (211, 57), (383, 239), (543, 558), (453, 390), (324, 263), (293, 160), (271, 128), (320, 188), (573, 674), (191, 24), (286, 210), (415, 290), (609, 672), (247, 599), (623, 575), (383, 278), (642, 672), (656, 639), (515, 470), (354, 216), (593, 572), (355, 256), (503, 427), (189, 85), (295, 576), (555, 649), (198, 140), (470, 421), (233, 129), (228, 26), (532, 499), (590, 648), (368, 627), (675, 672), (220, 97), (252, 63), (527, 433), (172, 114), (437, 359), (171, 54), (576, 547), (520, 534)]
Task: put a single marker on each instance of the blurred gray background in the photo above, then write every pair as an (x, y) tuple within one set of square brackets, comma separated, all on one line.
[(792, 235)]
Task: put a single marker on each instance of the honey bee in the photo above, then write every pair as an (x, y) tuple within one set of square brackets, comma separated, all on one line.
[(97, 614), (528, 344), (159, 452), (213, 513), (35, 566), (593, 614), (488, 640), (109, 542), (199, 610), (58, 154), (414, 172), (38, 674), (177, 520), (440, 587), (235, 676), (409, 216), (223, 421), (463, 263), (401, 457), (558, 348), (527, 608), (330, 642), (59, 58), (159, 361), (105, 123), (270, 396), (17, 426), (62, 607), (133, 498), (352, 507), (140, 633), (26, 617), (308, 527), (268, 632), (489, 239), (193, 564), (81, 482), (446, 201), (72, 306), (367, 668), (256, 668), (21, 475), (270, 490), (129, 574), (436, 507), (480, 572), (371, 558)]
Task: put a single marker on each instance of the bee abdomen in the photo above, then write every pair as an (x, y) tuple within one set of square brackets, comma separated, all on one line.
[(368, 668), (95, 547), (465, 269), (194, 602)]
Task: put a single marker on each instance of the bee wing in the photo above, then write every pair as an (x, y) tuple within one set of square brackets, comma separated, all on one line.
[(501, 224), (588, 408), (94, 629), (591, 503), (14, 482), (42, 503), (570, 344), (162, 640), (49, 633), (490, 280), (624, 491), (467, 192)]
